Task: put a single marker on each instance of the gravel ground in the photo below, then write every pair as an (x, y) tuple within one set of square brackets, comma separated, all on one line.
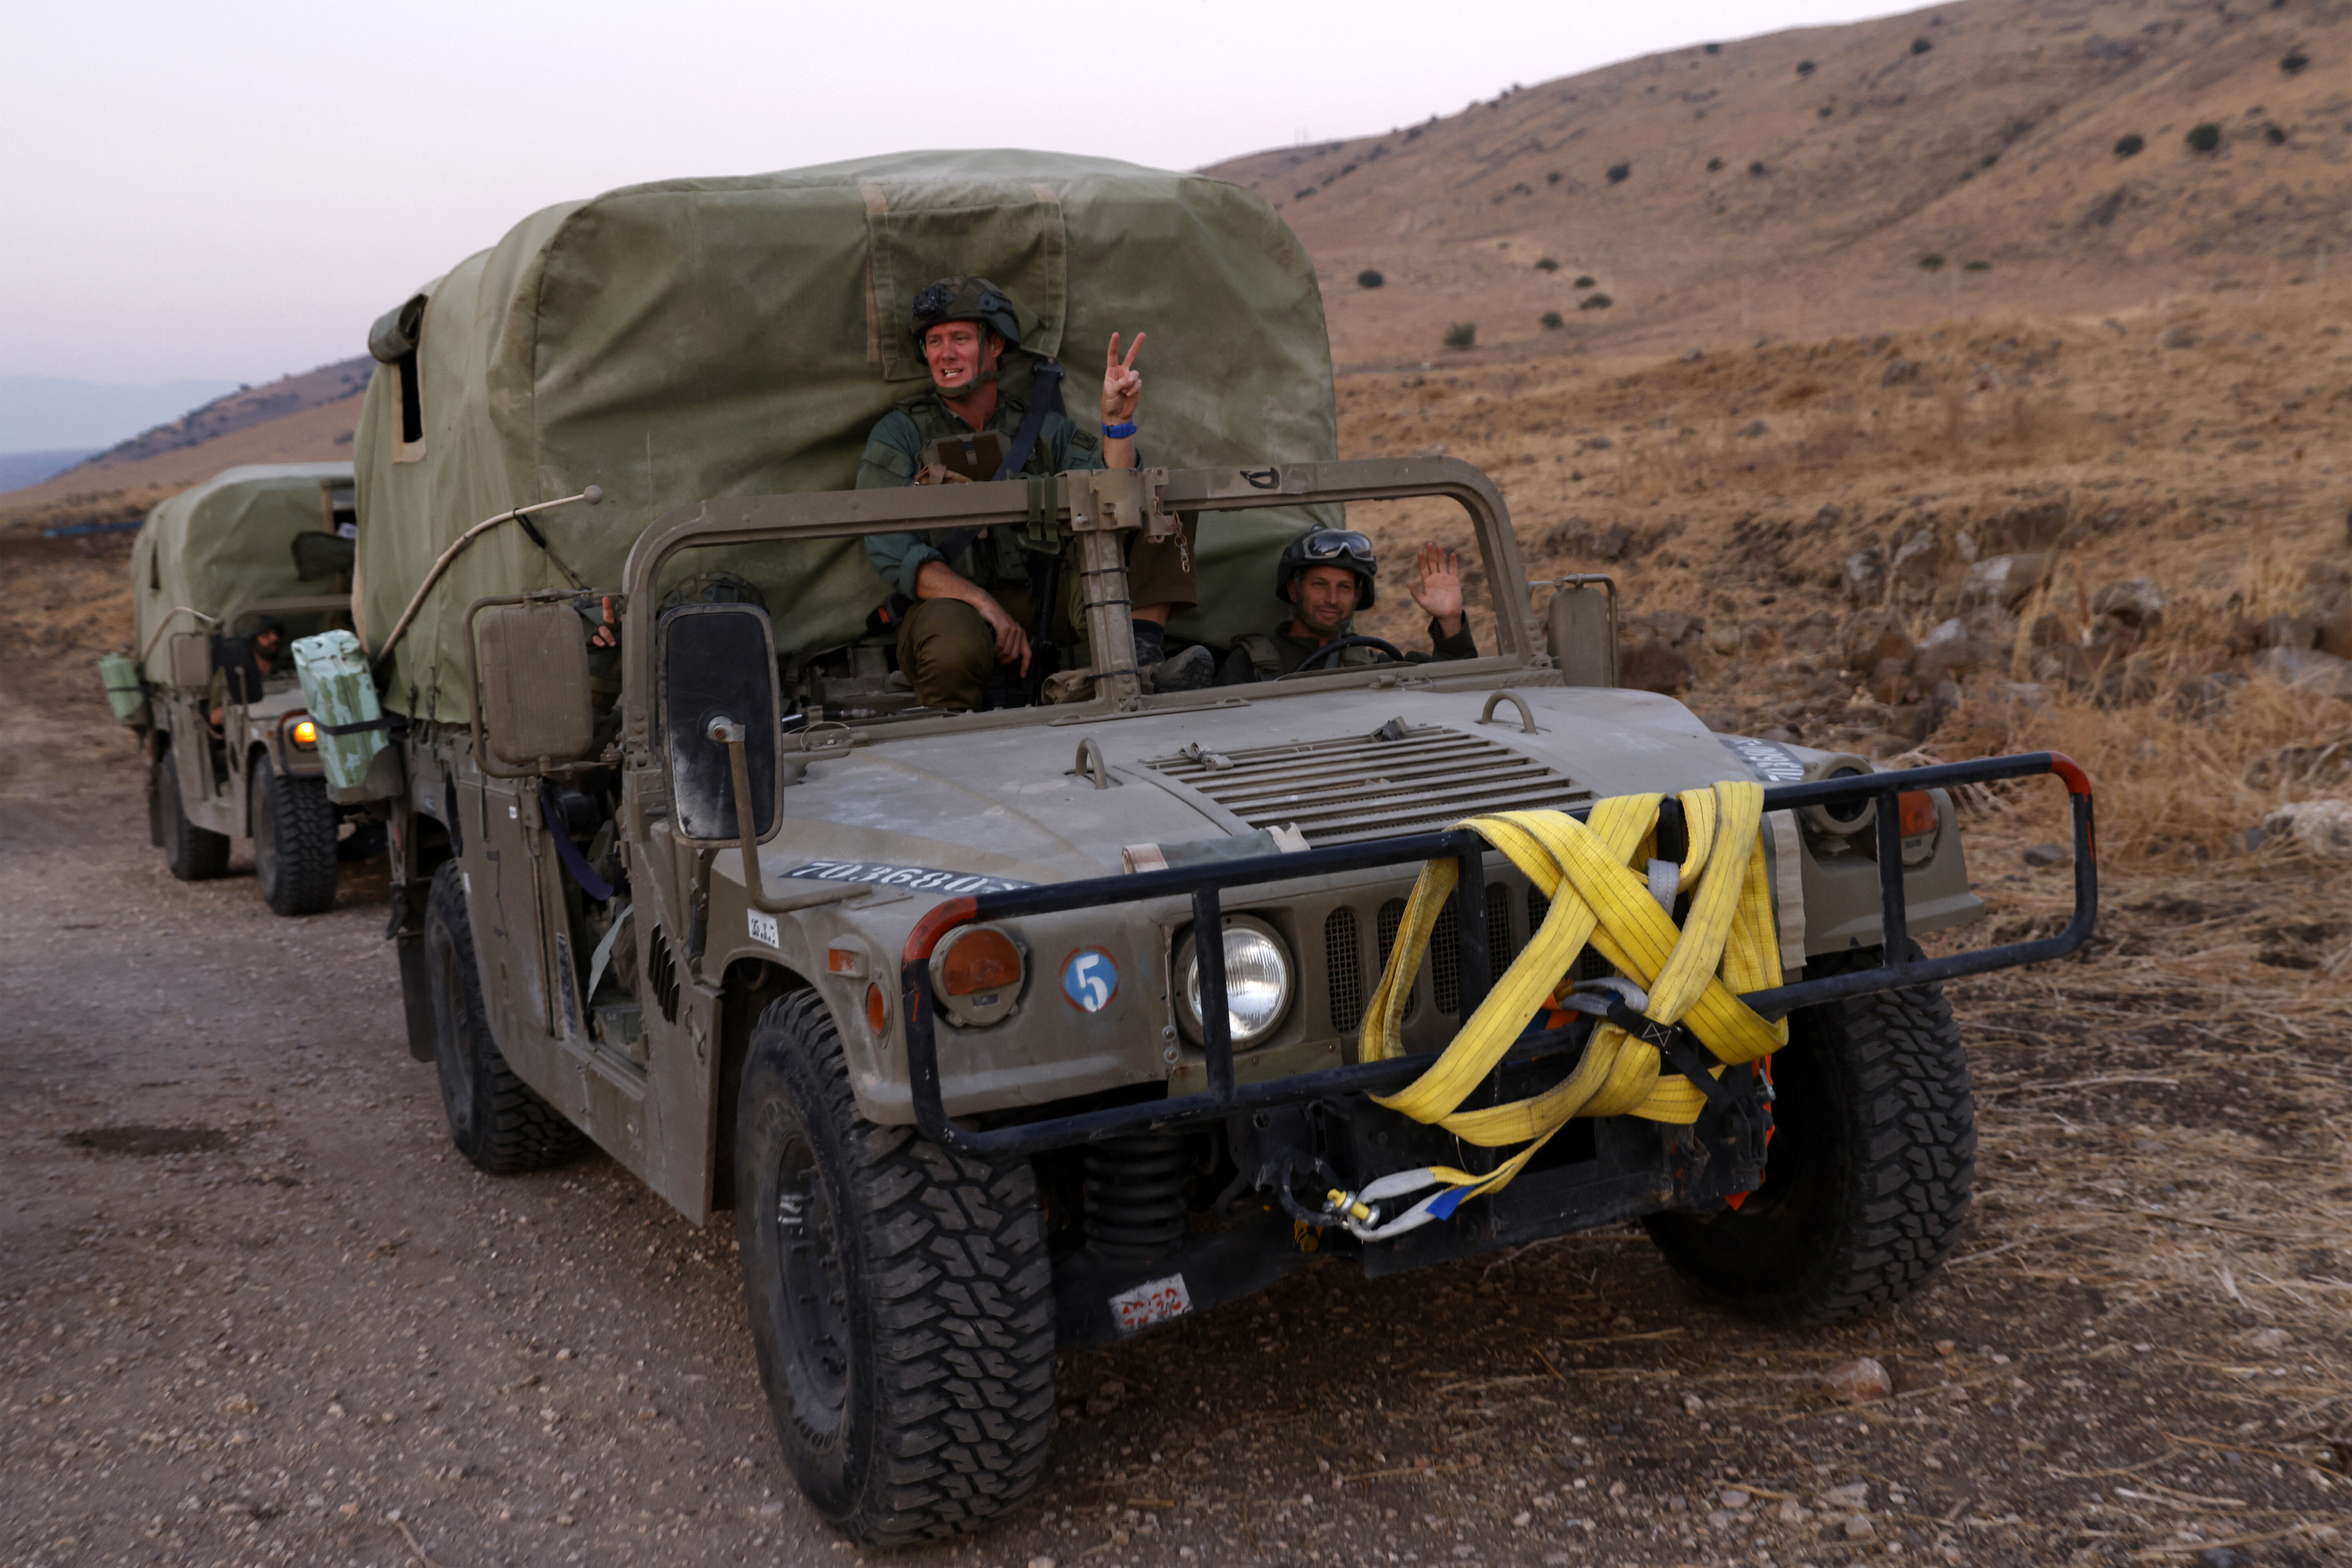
[(253, 1310)]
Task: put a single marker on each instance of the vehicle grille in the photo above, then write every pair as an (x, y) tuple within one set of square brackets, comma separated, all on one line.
[(1343, 961), (1356, 787)]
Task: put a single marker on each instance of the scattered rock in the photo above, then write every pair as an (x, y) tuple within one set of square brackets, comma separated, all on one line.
[(2208, 695), (1791, 1511), (1917, 560), (2004, 580), (1858, 1527), (2267, 1339), (1889, 679), (1899, 372), (1612, 542), (2048, 854), (1854, 1496), (2309, 668), (2180, 338), (1864, 572), (1943, 701), (1856, 1381), (1654, 667), (1753, 427), (2138, 605), (1952, 658), (2323, 827), (1691, 356), (1724, 637), (1828, 515), (1953, 630), (1733, 1498), (1871, 637)]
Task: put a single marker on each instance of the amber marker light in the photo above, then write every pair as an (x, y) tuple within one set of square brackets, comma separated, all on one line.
[(877, 1011), (306, 733), (985, 960), (1916, 812)]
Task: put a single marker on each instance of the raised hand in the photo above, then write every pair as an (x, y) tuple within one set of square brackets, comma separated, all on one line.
[(1438, 588), (1122, 382)]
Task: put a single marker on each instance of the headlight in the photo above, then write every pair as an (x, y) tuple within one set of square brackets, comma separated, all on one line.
[(306, 734), (976, 974), (1257, 981)]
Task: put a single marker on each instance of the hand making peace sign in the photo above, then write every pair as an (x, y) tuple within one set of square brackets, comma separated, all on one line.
[(1122, 382)]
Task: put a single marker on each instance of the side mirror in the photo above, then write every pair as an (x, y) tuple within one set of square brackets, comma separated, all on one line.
[(1581, 630), (192, 659), (532, 709), (718, 669)]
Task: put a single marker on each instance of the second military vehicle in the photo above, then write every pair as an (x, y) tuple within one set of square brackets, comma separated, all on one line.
[(223, 578), (1049, 1025)]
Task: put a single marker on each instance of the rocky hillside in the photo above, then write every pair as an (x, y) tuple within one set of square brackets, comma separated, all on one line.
[(296, 418), (2039, 156)]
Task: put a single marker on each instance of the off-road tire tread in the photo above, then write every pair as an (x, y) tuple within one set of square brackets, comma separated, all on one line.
[(960, 1313), (1906, 1080), (305, 856), (527, 1134), (193, 854)]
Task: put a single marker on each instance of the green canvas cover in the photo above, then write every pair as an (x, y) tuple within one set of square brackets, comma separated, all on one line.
[(697, 338), (227, 542)]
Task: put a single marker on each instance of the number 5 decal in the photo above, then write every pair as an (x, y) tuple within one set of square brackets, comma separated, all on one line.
[(1089, 979)]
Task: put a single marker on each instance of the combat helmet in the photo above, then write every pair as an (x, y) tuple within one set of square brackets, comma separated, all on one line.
[(1342, 547), (961, 298)]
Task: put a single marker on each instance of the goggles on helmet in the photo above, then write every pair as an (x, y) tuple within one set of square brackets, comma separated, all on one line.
[(1330, 544)]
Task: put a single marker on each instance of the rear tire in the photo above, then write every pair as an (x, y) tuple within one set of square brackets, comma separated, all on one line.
[(195, 854), (1870, 1169), (496, 1120), (902, 1298), (293, 841)]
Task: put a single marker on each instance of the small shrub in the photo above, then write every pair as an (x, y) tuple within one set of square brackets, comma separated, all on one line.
[(1617, 172), (1302, 196), (1414, 132), (1921, 46), (1347, 168), (1547, 265), (1595, 302), (1977, 267), (1552, 178), (2274, 134), (2295, 60), (1714, 48), (1552, 319), (1461, 335), (2204, 138), (1757, 167), (1932, 262), (1989, 159), (1584, 281), (1370, 278), (1712, 165), (1804, 67), (2130, 144)]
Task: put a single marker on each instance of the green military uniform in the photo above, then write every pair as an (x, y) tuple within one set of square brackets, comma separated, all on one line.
[(1270, 656), (945, 646)]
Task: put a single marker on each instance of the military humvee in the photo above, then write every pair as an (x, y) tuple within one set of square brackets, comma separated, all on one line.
[(207, 567), (922, 998)]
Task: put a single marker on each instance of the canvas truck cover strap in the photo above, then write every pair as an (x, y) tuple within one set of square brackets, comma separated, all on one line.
[(675, 342)]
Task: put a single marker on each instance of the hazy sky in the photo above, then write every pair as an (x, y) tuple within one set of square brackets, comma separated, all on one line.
[(237, 189)]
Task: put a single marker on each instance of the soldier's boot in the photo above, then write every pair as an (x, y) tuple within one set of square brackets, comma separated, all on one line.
[(1188, 671)]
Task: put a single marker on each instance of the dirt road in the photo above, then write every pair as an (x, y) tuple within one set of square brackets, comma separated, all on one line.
[(253, 1310)]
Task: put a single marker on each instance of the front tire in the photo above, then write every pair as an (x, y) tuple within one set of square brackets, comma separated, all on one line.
[(902, 1298), (496, 1120), (293, 841), (195, 854), (1870, 1170)]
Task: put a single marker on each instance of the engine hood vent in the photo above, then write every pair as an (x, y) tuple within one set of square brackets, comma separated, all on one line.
[(1400, 779)]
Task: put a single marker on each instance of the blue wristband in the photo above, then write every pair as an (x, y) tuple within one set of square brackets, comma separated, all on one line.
[(1120, 432)]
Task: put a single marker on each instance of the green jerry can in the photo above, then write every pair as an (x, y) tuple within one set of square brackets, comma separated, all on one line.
[(341, 692), (125, 693)]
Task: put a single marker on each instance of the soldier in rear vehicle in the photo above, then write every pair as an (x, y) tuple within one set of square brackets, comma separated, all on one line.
[(968, 607), (240, 665), (1326, 577)]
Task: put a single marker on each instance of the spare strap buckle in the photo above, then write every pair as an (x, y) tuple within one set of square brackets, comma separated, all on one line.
[(1677, 1045)]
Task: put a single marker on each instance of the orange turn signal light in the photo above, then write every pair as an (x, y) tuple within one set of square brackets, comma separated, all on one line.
[(1916, 812), (306, 733), (982, 960), (877, 1010)]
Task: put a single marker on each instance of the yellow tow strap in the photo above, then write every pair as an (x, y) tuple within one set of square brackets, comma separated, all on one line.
[(1694, 975)]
